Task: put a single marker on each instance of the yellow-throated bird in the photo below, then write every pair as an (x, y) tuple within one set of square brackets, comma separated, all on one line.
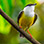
[(27, 17)]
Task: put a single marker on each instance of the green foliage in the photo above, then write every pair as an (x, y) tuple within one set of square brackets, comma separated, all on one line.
[(23, 2), (12, 9)]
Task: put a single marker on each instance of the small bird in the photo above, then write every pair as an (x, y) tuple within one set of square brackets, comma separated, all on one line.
[(27, 18)]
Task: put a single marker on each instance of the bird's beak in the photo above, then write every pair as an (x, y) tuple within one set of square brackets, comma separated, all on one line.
[(35, 4)]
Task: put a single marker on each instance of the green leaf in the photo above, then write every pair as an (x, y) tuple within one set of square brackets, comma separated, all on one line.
[(23, 2)]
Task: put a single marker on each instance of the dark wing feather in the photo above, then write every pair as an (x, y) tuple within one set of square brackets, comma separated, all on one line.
[(20, 14), (35, 19)]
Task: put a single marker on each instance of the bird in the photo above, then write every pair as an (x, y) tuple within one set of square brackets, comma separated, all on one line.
[(27, 17)]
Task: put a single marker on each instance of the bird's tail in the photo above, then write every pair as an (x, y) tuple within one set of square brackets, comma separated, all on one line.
[(21, 35)]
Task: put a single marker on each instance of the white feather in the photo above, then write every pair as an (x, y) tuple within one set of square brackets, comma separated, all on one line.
[(29, 11)]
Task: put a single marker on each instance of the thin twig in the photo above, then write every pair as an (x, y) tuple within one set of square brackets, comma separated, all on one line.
[(32, 40)]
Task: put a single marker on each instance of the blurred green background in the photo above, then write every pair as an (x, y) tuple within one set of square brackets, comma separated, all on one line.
[(8, 35)]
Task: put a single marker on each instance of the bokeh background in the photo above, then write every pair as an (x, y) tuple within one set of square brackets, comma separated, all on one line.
[(8, 35)]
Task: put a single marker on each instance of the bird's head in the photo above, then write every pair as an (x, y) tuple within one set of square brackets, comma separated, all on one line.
[(29, 8)]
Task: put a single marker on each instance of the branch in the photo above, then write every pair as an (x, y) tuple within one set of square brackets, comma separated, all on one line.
[(32, 40)]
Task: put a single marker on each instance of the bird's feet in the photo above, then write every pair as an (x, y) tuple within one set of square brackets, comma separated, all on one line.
[(29, 33), (20, 26)]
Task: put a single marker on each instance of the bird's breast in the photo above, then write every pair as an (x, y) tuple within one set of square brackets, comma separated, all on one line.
[(26, 21)]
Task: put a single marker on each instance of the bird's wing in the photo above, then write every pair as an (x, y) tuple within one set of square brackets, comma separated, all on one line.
[(20, 14), (35, 19)]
